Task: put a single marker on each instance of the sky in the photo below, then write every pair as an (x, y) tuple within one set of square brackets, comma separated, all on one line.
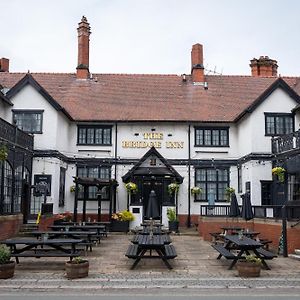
[(151, 36)]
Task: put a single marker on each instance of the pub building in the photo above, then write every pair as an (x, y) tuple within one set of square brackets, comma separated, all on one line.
[(195, 130)]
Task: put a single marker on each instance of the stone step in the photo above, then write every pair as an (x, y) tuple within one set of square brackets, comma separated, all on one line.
[(297, 251), (26, 228), (294, 256)]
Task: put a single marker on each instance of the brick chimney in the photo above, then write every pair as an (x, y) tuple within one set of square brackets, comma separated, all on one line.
[(4, 64), (263, 67), (83, 49), (197, 63)]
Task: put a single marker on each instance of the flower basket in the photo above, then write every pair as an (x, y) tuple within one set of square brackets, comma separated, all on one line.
[(173, 188), (228, 193), (7, 266), (3, 153), (279, 172), (131, 187), (196, 190)]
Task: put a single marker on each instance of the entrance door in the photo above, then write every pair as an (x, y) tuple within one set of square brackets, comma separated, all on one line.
[(147, 186)]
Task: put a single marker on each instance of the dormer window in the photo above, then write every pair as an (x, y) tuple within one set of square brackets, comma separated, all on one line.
[(30, 121)]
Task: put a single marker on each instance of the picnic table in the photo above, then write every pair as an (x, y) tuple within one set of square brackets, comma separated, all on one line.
[(243, 245), (86, 236), (151, 243), (100, 229), (32, 247)]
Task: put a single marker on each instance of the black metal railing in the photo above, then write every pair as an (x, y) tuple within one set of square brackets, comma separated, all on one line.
[(263, 211), (11, 133), (286, 142)]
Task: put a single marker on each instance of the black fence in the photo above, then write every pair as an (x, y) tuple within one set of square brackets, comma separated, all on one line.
[(286, 142), (264, 211)]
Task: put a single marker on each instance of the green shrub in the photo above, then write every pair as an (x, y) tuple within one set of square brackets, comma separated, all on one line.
[(4, 254), (171, 214)]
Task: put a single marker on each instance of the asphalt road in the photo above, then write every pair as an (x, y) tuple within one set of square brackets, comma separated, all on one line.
[(155, 294)]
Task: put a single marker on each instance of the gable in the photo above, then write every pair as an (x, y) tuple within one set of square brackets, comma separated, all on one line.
[(278, 84), (29, 80), (153, 164)]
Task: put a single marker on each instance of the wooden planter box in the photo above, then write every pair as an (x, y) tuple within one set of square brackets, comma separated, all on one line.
[(119, 226), (248, 269), (74, 270), (7, 270)]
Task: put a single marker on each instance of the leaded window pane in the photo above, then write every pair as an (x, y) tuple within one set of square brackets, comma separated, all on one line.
[(223, 138), (98, 136), (90, 136), (279, 125), (221, 191), (215, 137), (82, 135), (289, 125), (106, 136), (7, 182), (28, 121), (211, 175), (207, 137)]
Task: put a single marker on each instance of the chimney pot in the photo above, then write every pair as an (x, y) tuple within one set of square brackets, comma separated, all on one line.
[(4, 64)]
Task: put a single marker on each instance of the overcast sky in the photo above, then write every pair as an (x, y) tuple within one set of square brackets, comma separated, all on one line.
[(150, 36)]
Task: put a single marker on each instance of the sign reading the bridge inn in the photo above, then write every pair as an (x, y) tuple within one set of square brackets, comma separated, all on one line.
[(153, 139)]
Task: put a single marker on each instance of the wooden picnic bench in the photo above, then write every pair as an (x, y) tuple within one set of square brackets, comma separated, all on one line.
[(223, 252), (32, 247), (157, 243)]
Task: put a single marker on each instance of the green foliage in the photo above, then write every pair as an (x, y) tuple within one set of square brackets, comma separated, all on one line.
[(78, 260), (196, 190), (3, 152), (173, 188), (131, 187), (4, 254), (253, 259), (171, 214), (228, 192), (124, 215)]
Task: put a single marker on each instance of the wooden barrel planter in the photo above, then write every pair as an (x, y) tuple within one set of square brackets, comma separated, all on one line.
[(248, 269), (77, 270), (7, 270)]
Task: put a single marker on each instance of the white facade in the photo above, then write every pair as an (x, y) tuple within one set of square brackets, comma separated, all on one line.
[(171, 140)]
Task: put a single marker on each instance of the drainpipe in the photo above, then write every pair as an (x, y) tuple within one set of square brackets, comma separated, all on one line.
[(116, 159), (189, 178)]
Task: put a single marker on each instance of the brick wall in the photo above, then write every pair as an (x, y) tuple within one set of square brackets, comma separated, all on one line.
[(268, 228), (10, 225)]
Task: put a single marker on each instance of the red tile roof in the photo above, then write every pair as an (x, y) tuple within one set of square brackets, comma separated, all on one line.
[(124, 97)]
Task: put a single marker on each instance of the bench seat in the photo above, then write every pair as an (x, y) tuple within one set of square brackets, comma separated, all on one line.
[(266, 254), (132, 251), (170, 252), (42, 253), (223, 252)]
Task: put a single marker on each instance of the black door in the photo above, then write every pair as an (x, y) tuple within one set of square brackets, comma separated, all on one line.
[(266, 192), (147, 186)]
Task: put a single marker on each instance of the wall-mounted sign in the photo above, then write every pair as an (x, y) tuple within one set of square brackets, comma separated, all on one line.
[(156, 141)]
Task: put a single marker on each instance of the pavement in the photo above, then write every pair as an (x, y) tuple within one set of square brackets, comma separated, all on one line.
[(195, 267)]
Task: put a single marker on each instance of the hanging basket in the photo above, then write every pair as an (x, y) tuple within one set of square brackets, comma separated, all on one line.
[(3, 153), (279, 172)]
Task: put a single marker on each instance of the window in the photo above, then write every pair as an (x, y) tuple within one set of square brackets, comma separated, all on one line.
[(94, 172), (29, 121), (212, 137), (94, 135), (213, 183), (278, 124)]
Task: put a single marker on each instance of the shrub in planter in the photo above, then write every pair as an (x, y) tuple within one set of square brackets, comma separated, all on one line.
[(120, 220), (77, 268), (7, 266), (173, 220)]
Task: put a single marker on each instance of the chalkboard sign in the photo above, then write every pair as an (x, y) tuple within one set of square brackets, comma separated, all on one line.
[(42, 184)]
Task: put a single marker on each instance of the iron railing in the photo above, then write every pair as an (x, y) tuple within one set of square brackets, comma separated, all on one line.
[(263, 211), (12, 134), (286, 142)]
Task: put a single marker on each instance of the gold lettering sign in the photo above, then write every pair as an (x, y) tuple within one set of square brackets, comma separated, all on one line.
[(154, 138)]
